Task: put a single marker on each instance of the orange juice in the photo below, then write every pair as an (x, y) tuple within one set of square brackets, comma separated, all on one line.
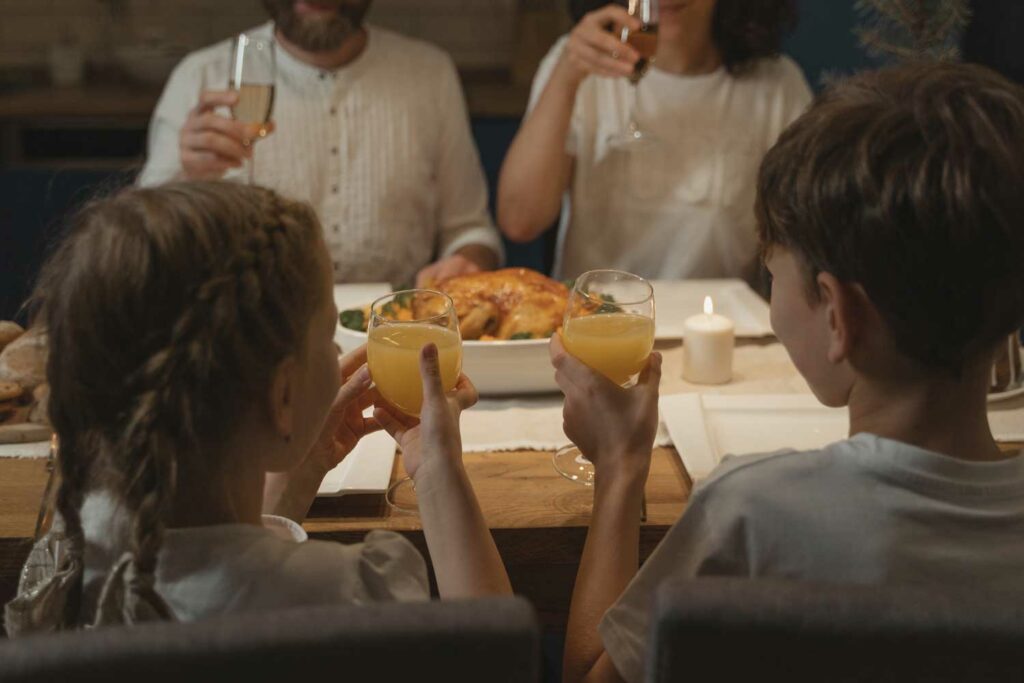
[(393, 354), (615, 344)]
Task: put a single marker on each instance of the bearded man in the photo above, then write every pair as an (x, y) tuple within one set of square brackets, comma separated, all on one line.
[(370, 127)]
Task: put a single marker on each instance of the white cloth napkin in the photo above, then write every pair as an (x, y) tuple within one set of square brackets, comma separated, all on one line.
[(533, 424), (367, 469)]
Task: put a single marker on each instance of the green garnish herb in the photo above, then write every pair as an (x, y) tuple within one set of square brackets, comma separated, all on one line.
[(388, 309), (608, 308), (403, 300), (607, 298), (353, 319), (522, 335)]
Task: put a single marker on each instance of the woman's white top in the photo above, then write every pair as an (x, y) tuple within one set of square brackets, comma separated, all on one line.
[(683, 206)]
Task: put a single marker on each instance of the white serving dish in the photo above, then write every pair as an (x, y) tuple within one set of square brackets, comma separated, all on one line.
[(497, 368)]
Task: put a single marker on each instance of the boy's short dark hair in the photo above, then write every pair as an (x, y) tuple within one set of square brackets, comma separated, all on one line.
[(910, 182)]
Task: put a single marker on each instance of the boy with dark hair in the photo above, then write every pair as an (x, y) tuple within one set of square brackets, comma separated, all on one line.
[(890, 219)]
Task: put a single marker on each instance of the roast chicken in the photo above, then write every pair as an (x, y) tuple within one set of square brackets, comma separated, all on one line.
[(514, 303)]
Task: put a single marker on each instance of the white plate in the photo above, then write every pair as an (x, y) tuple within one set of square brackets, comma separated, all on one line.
[(1006, 395), (677, 300), (367, 469), (704, 428)]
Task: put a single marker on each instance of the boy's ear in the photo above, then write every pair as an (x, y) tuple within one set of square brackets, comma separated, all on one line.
[(282, 397), (843, 306)]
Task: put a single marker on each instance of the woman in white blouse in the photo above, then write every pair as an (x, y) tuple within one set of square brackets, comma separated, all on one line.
[(681, 206)]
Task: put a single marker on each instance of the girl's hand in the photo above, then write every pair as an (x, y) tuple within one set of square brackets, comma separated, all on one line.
[(433, 441), (593, 49), (614, 427), (345, 424)]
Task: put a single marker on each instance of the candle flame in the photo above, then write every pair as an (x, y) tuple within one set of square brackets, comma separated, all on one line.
[(709, 306)]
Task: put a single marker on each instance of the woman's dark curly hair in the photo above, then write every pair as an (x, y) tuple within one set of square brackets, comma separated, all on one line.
[(743, 30), (747, 30)]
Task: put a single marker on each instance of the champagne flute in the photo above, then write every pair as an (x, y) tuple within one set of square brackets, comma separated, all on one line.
[(645, 42), (401, 324), (253, 72), (609, 325)]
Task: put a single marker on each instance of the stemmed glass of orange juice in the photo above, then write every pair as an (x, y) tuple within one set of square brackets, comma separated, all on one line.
[(401, 324), (609, 325)]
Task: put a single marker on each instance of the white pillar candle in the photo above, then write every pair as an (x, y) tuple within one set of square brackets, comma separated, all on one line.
[(708, 341)]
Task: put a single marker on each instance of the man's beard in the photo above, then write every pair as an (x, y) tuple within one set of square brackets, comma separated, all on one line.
[(318, 35)]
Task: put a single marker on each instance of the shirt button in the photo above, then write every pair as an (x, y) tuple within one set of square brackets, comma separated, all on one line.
[(334, 150), (322, 75), (334, 189), (334, 111), (337, 228)]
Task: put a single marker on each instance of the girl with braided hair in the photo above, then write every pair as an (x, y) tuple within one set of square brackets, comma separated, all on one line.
[(195, 386)]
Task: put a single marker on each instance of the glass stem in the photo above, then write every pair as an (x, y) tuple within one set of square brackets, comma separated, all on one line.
[(634, 127)]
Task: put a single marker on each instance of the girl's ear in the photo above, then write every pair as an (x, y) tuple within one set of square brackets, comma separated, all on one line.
[(281, 399)]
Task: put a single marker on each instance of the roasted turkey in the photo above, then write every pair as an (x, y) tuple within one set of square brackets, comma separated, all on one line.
[(514, 303)]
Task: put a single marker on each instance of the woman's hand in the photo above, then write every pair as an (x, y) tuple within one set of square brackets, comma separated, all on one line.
[(614, 427), (433, 441), (593, 49)]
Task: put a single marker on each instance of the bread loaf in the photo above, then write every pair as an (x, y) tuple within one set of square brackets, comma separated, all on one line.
[(9, 331), (23, 361)]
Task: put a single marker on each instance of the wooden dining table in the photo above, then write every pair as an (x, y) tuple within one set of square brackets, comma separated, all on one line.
[(538, 519)]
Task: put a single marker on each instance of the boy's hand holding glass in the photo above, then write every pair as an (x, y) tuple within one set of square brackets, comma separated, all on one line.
[(613, 426)]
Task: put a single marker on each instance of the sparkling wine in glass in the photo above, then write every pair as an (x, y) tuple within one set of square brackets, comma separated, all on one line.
[(645, 42), (609, 325), (253, 72), (401, 324)]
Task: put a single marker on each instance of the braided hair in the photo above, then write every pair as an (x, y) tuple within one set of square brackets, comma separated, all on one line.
[(166, 309)]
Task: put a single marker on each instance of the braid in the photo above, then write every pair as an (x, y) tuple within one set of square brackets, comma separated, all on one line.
[(73, 471), (229, 301), (168, 310)]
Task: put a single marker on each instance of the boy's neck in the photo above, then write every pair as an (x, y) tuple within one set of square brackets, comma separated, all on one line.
[(946, 416)]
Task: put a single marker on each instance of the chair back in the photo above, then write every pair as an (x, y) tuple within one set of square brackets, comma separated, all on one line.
[(472, 640), (735, 629)]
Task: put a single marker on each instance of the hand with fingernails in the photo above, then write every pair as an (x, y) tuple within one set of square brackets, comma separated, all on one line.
[(433, 441), (211, 144), (594, 50)]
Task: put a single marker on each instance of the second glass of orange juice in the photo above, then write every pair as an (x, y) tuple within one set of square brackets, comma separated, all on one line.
[(609, 325), (401, 324)]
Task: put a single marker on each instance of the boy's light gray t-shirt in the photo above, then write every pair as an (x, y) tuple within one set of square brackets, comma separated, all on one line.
[(865, 510)]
